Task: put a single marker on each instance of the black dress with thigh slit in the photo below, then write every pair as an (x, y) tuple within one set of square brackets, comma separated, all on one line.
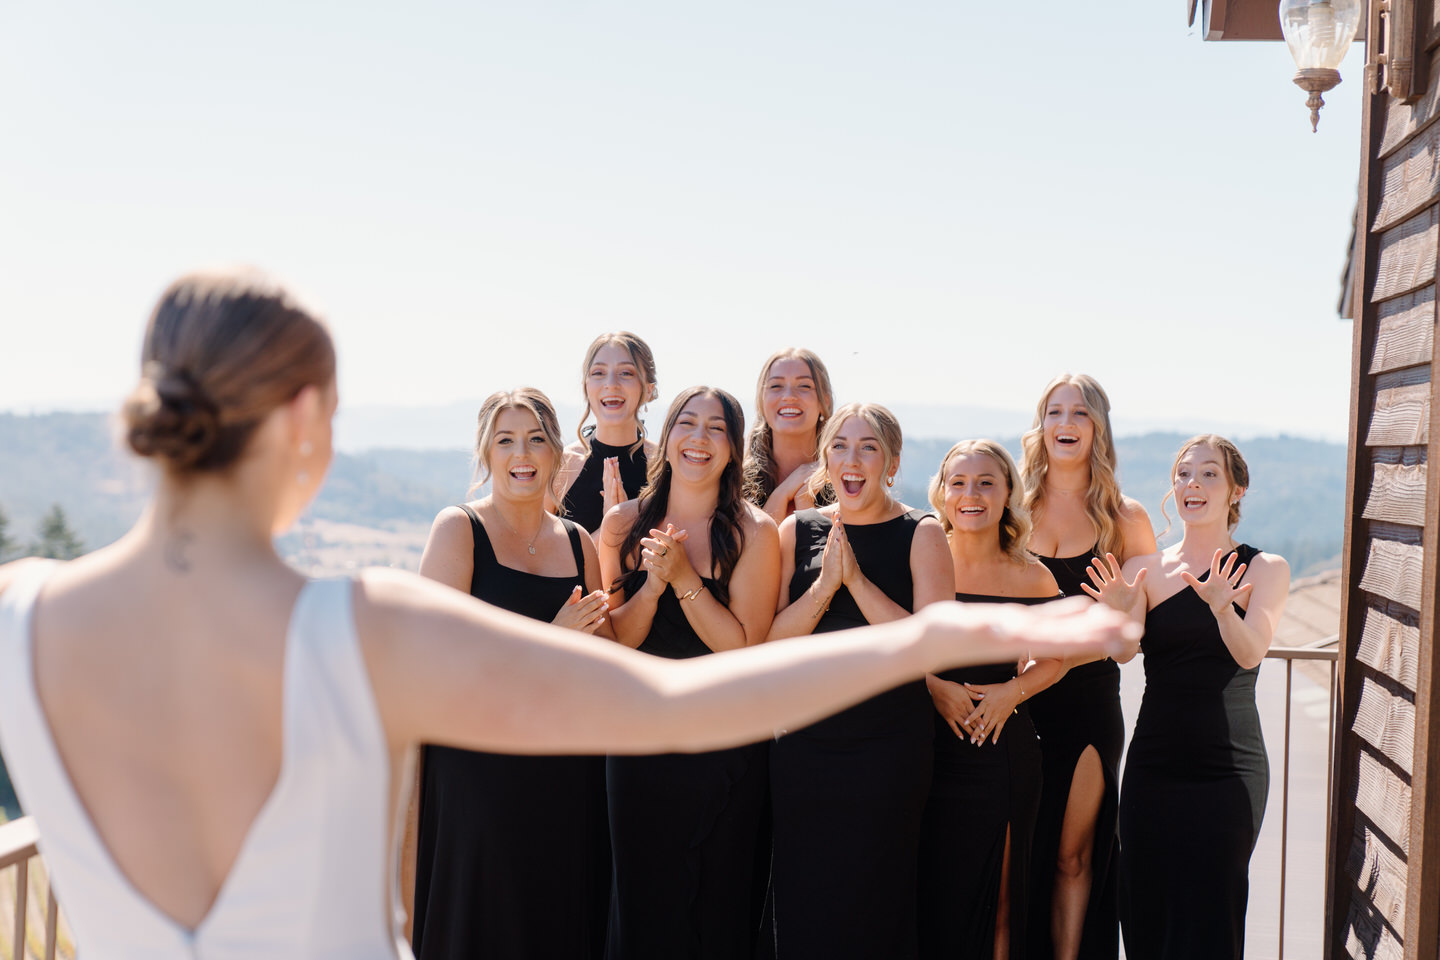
[(512, 851), (849, 792), (1196, 780), (684, 830), (1082, 710), (976, 796)]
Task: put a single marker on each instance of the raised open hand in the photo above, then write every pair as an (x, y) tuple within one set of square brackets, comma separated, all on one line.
[(583, 612), (1220, 589), (1112, 589)]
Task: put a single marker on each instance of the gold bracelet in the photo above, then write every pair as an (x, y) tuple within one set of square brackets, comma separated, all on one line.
[(691, 595)]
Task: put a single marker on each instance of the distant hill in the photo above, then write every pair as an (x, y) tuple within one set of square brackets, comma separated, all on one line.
[(1295, 507)]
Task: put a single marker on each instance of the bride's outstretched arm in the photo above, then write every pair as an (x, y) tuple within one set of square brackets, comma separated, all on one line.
[(449, 669)]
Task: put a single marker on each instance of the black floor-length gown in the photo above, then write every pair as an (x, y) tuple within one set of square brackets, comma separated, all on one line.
[(684, 830), (1081, 710), (849, 792), (585, 500), (976, 795), (512, 851), (1196, 780)]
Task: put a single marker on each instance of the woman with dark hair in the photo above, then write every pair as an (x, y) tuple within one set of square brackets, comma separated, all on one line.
[(513, 857), (1074, 498), (849, 792), (975, 848), (694, 570), (793, 401), (213, 747), (606, 465), (1196, 775)]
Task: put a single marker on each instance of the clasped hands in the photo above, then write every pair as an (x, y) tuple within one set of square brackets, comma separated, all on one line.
[(663, 557)]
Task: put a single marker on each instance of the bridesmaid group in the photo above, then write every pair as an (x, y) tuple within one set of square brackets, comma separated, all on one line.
[(979, 814)]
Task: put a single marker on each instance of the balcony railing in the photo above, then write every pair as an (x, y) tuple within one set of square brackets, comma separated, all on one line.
[(18, 850), (1324, 651)]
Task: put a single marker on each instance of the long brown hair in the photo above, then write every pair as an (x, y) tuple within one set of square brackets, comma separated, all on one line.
[(1103, 500), (644, 360), (761, 475), (222, 349), (727, 525)]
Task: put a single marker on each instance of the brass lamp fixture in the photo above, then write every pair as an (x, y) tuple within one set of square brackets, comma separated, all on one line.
[(1318, 33)]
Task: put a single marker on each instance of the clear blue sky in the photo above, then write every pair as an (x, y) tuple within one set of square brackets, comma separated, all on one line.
[(950, 201)]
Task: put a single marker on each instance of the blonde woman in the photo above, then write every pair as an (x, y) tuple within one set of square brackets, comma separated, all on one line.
[(606, 464), (1196, 776), (849, 792), (1074, 498), (793, 401), (272, 714), (975, 848), (512, 852)]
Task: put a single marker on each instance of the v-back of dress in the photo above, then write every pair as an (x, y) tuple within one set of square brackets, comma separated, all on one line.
[(310, 878)]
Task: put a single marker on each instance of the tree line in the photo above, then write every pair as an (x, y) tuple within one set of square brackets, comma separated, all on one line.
[(55, 538)]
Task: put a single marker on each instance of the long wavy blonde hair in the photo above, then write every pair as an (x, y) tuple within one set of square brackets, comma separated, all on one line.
[(1103, 500), (761, 476), (1015, 525)]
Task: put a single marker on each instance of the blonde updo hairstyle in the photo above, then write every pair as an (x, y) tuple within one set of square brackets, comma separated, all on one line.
[(761, 475), (1015, 525), (537, 405), (644, 361), (881, 421), (1237, 474), (222, 349), (1103, 500)]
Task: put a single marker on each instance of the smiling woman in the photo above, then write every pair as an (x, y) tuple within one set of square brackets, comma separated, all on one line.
[(694, 570), (511, 853), (849, 792), (606, 465), (793, 402)]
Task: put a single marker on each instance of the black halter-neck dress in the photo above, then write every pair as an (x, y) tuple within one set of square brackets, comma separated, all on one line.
[(849, 792), (977, 794), (1081, 710), (684, 828), (1196, 780), (585, 500), (512, 851)]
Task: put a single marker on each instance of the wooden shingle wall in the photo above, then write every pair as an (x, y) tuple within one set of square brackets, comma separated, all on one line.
[(1384, 895)]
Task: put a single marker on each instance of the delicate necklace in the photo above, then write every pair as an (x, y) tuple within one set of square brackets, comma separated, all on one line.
[(531, 545)]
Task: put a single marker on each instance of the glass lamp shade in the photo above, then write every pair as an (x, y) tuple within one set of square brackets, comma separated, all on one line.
[(1319, 32)]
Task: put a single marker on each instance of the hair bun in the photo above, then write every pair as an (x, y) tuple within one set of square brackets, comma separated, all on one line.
[(171, 418)]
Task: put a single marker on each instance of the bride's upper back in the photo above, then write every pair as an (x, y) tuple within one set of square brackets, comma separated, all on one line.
[(188, 719)]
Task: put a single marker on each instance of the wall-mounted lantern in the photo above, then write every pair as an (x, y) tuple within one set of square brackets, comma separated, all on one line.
[(1318, 32)]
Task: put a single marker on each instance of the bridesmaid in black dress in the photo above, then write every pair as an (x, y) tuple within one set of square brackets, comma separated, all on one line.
[(849, 792), (606, 465), (1074, 498), (793, 401), (512, 856), (975, 846), (1196, 776), (685, 827)]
